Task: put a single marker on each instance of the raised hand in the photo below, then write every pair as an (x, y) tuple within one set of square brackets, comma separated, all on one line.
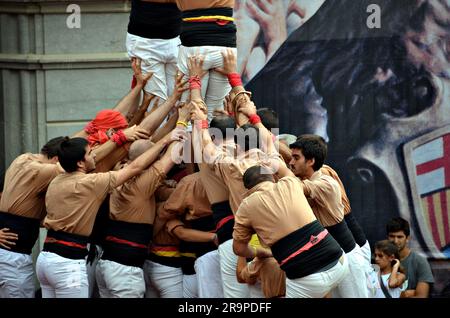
[(141, 79), (180, 85), (195, 65), (135, 132), (7, 238), (271, 16), (229, 62)]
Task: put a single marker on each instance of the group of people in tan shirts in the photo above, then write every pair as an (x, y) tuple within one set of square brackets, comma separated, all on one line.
[(190, 199)]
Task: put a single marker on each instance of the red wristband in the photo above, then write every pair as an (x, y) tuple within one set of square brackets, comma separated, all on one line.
[(195, 82), (119, 138), (133, 82), (202, 124), (231, 114), (254, 119), (234, 79)]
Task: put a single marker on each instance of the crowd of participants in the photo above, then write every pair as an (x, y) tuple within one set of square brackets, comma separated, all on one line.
[(184, 189)]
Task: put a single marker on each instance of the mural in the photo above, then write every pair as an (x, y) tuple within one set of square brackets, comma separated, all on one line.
[(373, 78)]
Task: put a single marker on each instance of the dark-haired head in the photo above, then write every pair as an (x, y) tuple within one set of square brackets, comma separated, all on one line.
[(71, 151), (222, 127), (247, 137), (397, 225), (312, 147), (255, 175), (50, 149), (269, 118)]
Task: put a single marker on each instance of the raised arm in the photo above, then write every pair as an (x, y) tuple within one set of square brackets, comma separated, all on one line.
[(148, 157), (155, 118), (129, 103)]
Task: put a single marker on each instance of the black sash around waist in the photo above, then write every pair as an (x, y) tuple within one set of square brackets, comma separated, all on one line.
[(127, 243), (65, 244), (322, 254), (173, 257), (341, 233), (356, 229), (205, 224), (208, 33), (27, 230), (224, 226), (154, 20)]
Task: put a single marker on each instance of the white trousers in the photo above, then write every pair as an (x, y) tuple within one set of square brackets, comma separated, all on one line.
[(317, 285), (190, 287), (158, 56), (256, 290), (215, 86), (116, 280), (209, 278), (62, 277), (354, 284), (166, 280), (366, 253), (16, 275), (228, 262)]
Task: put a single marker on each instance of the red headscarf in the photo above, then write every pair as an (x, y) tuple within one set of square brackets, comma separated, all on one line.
[(105, 119)]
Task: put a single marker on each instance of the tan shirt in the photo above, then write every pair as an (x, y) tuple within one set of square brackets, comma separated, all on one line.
[(327, 170), (185, 5), (324, 197), (134, 201), (231, 170), (162, 230), (189, 199), (26, 182), (272, 210), (216, 190), (73, 200), (269, 273)]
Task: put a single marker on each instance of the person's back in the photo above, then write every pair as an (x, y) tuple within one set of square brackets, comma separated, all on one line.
[(207, 28), (22, 208)]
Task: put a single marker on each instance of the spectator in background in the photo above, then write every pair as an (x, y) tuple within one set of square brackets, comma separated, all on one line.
[(418, 271)]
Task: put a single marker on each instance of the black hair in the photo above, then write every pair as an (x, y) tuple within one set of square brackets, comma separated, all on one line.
[(312, 146), (396, 225), (247, 136), (390, 249), (255, 175), (50, 149), (71, 151), (222, 123), (269, 118)]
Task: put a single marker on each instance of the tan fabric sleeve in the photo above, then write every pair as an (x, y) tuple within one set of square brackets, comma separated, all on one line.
[(172, 224), (151, 179), (104, 183), (242, 226)]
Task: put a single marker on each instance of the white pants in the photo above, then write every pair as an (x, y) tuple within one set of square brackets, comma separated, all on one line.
[(354, 284), (158, 56), (228, 263), (190, 287), (256, 290), (16, 275), (209, 278), (366, 253), (317, 285), (215, 86), (167, 281), (93, 287), (62, 277), (116, 280)]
